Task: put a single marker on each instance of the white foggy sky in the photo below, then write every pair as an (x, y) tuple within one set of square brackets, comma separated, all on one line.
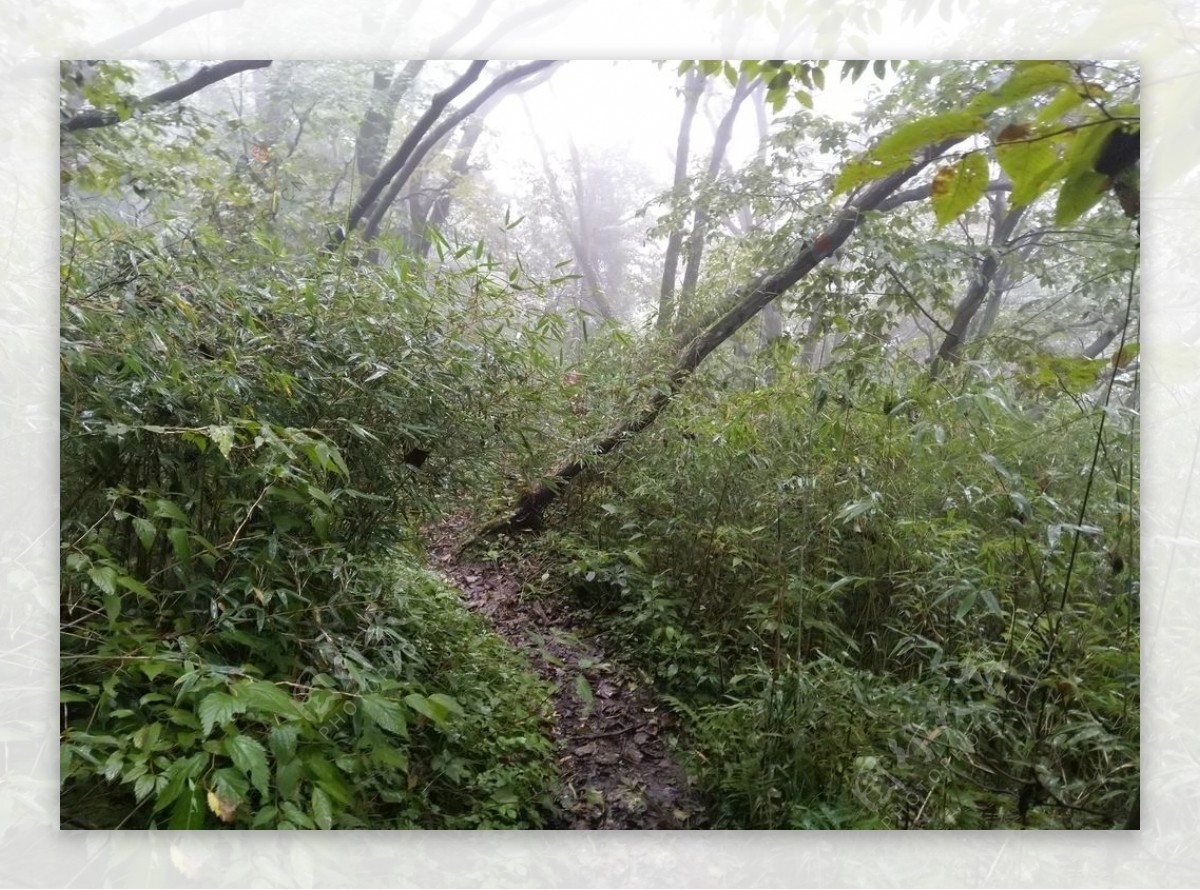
[(629, 108)]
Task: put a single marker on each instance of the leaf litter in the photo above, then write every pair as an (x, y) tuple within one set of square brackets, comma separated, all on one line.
[(614, 738)]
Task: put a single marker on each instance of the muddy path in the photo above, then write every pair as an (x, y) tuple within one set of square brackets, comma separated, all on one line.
[(613, 737)]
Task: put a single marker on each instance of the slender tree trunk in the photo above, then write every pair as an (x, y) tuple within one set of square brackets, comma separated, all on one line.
[(401, 167), (693, 89), (387, 89), (695, 244), (951, 348)]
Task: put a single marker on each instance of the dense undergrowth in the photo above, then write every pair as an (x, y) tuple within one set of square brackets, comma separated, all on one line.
[(874, 597), (249, 443)]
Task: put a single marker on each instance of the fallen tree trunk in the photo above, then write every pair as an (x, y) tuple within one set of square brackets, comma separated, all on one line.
[(742, 305)]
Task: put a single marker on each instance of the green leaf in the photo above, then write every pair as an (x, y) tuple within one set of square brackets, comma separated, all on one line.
[(188, 813), (250, 757), (584, 690), (904, 141), (178, 775), (104, 577), (178, 537), (322, 809), (431, 708), (222, 437), (450, 705), (287, 778), (145, 786), (1079, 194), (955, 189), (165, 509), (282, 740), (388, 714), (865, 170), (965, 604), (132, 584), (259, 695), (1025, 81), (146, 531), (1030, 162), (218, 708)]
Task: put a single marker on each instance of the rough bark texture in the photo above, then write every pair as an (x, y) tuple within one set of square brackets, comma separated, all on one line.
[(387, 89), (742, 305), (981, 284), (206, 76)]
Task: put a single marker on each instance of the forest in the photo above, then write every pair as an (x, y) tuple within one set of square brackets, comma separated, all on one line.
[(692, 444)]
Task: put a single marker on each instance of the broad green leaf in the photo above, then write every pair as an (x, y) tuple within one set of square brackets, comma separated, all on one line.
[(250, 757), (133, 584), (104, 577), (259, 695), (451, 705), (865, 170), (1079, 194), (429, 707), (1067, 99), (188, 813), (146, 531), (1030, 162), (282, 740), (1024, 82), (165, 509), (907, 139), (1084, 145), (178, 536), (322, 809), (218, 708), (145, 786), (956, 188), (389, 715)]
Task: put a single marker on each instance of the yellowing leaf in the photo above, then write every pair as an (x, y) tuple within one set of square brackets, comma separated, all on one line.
[(958, 187), (222, 807), (1027, 160)]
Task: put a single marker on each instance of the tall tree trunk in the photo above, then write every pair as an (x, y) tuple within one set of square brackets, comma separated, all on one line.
[(742, 305), (951, 348), (387, 89), (693, 89), (695, 244)]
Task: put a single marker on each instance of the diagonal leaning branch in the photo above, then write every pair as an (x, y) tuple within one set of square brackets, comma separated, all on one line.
[(206, 76), (742, 305)]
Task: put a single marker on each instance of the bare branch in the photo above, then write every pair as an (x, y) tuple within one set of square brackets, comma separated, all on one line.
[(420, 150), (206, 76)]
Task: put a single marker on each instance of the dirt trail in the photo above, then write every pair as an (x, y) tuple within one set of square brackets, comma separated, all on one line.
[(611, 733)]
